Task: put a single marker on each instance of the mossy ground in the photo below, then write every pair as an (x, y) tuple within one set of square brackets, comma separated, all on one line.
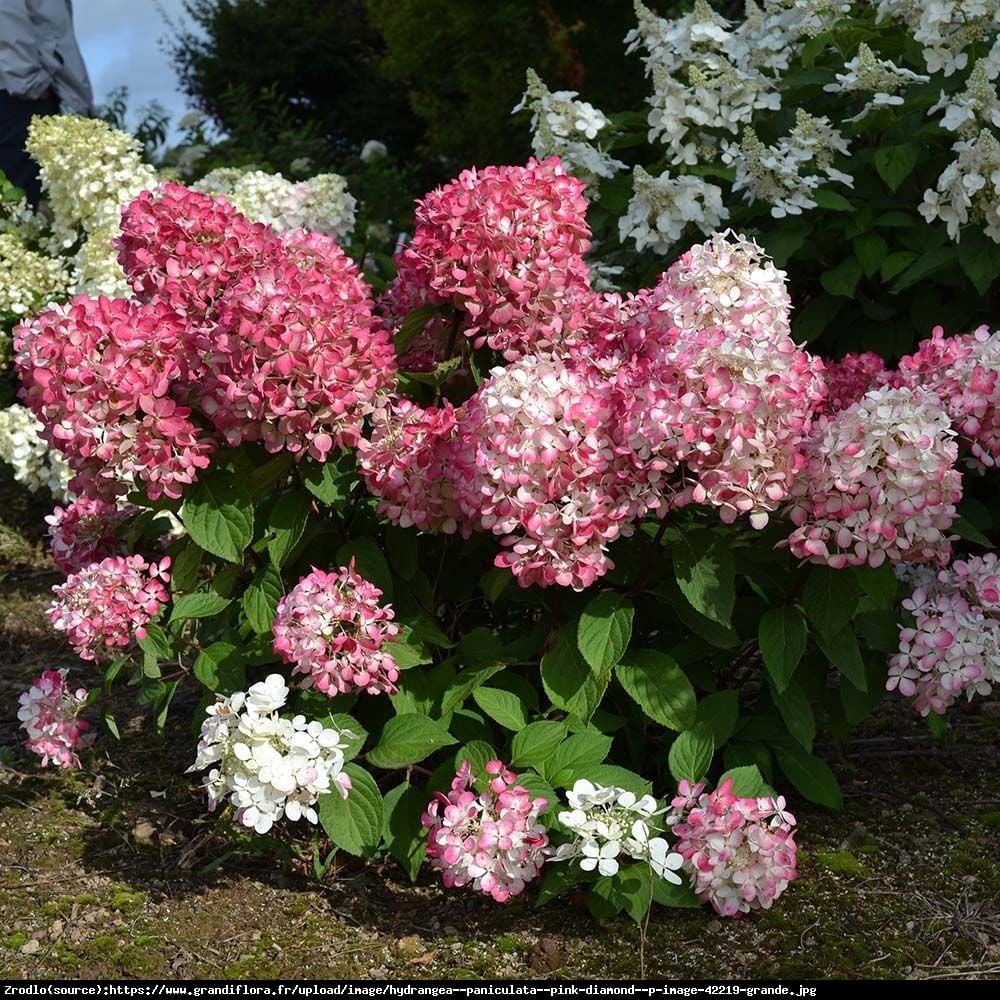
[(116, 871)]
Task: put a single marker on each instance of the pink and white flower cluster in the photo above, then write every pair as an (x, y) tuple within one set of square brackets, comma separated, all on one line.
[(107, 604), (952, 647), (739, 852), (86, 531), (237, 334), (332, 627), (268, 767), (50, 716), (493, 839)]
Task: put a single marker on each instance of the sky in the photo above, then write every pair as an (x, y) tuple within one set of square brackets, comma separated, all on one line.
[(121, 44)]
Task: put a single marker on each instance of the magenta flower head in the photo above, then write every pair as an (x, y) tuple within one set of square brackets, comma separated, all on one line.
[(493, 840), (332, 627), (739, 852), (86, 531), (49, 714), (107, 605)]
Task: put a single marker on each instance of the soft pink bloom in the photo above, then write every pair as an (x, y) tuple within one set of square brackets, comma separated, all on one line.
[(881, 483), (850, 378), (106, 605), (953, 646), (506, 246), (406, 461), (739, 852), (295, 357), (493, 840), (49, 714), (964, 371), (332, 627), (109, 379), (86, 531)]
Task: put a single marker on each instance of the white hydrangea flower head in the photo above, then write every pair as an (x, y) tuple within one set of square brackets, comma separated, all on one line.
[(661, 208), (968, 188), (868, 73), (24, 449), (268, 766), (373, 150), (31, 280), (96, 266), (974, 107)]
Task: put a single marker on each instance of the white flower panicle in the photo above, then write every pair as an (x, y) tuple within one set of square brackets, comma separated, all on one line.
[(868, 73), (968, 188), (609, 823), (973, 108), (24, 449), (268, 767), (31, 281)]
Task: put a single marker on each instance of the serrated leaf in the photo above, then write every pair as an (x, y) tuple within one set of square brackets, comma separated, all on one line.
[(706, 573), (403, 833), (369, 562), (719, 713), (748, 782), (200, 605), (502, 707), (354, 824), (896, 263), (465, 683), (478, 753), (843, 279), (569, 681), (328, 481), (536, 743), (218, 514), (979, 257), (286, 525), (895, 163), (558, 880), (815, 316), (870, 250), (964, 528), (184, 568), (798, 714), (352, 732), (408, 739), (401, 548), (879, 584), (831, 201), (691, 754), (830, 598), (677, 896), (925, 265), (660, 688), (843, 652), (260, 600), (604, 630), (810, 776), (156, 642), (782, 636), (574, 756), (220, 668), (413, 325)]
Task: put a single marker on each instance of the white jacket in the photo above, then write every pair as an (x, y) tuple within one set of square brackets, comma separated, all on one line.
[(38, 51)]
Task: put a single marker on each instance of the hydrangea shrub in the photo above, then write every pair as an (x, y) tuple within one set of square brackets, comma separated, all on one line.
[(509, 610)]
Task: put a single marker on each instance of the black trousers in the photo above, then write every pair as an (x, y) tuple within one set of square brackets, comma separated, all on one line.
[(15, 116)]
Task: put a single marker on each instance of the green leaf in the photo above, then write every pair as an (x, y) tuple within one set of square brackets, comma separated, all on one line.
[(369, 562), (162, 708), (810, 776), (220, 668), (413, 325), (407, 656), (354, 824), (559, 878), (880, 630), (402, 830), (871, 250), (156, 643), (979, 257), (536, 743), (260, 599), (793, 704), (401, 548), (782, 636), (465, 683), (879, 584), (895, 163), (813, 318), (660, 688), (691, 754), (964, 528), (568, 679), (604, 630), (353, 733), (719, 713), (620, 777), (633, 890), (926, 265), (843, 652), (843, 279), (574, 756), (198, 605), (408, 739), (831, 201), (896, 263), (748, 782), (502, 706), (218, 514), (830, 598), (677, 896), (330, 481), (286, 525), (184, 568), (706, 573)]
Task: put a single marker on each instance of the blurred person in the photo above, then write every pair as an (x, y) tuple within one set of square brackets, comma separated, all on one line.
[(41, 73)]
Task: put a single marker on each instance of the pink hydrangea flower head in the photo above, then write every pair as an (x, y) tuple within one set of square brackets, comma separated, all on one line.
[(86, 531), (493, 840), (184, 247), (430, 346), (850, 378), (50, 716), (406, 462), (296, 357), (332, 627), (952, 647), (739, 852), (964, 372), (881, 483), (106, 605), (544, 468), (506, 245), (108, 380)]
